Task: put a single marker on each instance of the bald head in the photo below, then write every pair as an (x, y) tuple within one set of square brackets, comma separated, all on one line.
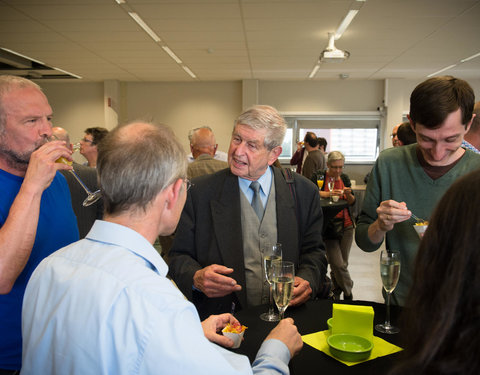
[(203, 142), (136, 162), (61, 134)]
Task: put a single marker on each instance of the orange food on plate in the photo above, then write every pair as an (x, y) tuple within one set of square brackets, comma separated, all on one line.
[(234, 328), (421, 223)]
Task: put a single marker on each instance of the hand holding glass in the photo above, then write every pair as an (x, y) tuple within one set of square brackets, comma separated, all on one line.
[(283, 282), (91, 197), (390, 273), (271, 253)]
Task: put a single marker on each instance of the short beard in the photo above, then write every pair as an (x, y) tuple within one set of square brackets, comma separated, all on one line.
[(16, 161)]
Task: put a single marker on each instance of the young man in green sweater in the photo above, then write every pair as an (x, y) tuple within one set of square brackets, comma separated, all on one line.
[(411, 179)]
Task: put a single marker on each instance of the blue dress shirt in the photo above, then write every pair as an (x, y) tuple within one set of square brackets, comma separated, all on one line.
[(265, 182), (103, 305)]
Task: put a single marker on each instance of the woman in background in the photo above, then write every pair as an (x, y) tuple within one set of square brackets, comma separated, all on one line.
[(442, 314), (338, 234)]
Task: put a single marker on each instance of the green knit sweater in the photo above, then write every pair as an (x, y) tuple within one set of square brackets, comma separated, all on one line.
[(398, 175)]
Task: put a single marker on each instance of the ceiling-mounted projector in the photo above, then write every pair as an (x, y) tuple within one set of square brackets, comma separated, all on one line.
[(331, 53)]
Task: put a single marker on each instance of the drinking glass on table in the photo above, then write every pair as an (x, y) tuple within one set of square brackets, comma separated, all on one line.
[(331, 185), (283, 282), (320, 183), (91, 197), (270, 254), (390, 273)]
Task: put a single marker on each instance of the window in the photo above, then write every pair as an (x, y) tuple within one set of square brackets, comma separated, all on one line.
[(356, 136)]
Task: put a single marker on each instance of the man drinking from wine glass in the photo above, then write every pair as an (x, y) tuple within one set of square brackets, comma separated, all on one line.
[(36, 216), (104, 305), (230, 215), (411, 179)]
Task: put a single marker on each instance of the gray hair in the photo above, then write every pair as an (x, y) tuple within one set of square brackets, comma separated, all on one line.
[(334, 156), (9, 83), (135, 163), (265, 117)]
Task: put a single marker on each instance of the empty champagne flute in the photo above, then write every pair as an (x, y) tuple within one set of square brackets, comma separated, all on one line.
[(283, 281), (331, 185), (270, 254), (390, 273), (91, 197)]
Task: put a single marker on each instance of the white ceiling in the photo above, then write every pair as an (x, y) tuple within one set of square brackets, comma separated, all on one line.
[(244, 39)]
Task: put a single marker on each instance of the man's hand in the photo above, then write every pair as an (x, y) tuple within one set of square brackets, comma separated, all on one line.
[(214, 324), (42, 167), (212, 282), (301, 291), (389, 213), (287, 333)]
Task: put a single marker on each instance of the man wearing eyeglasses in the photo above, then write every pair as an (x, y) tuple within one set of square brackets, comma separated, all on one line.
[(89, 143), (104, 305)]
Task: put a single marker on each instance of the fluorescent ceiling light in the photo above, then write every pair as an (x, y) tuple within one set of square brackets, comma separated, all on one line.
[(189, 71), (171, 54), (314, 71), (24, 56), (64, 71), (346, 21), (145, 27), (470, 58), (442, 70), (120, 1)]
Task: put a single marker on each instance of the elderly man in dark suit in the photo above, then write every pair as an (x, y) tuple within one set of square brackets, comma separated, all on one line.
[(232, 214), (86, 216)]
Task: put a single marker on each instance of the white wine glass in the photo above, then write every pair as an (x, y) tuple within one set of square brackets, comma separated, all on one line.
[(390, 273), (331, 185), (91, 197), (270, 254), (283, 282)]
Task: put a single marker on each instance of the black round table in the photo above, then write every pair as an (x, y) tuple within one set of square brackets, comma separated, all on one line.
[(331, 209), (310, 318)]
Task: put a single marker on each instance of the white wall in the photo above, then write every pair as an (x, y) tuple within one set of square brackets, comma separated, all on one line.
[(184, 106)]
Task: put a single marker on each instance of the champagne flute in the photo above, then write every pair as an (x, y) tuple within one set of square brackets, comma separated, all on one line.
[(283, 281), (331, 185), (91, 197), (320, 184), (271, 253), (390, 272)]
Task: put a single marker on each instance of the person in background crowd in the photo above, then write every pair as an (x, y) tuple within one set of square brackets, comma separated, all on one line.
[(405, 134), (203, 148), (86, 216), (104, 305), (338, 234), (89, 144), (441, 318), (301, 154), (394, 136), (219, 155), (413, 178), (322, 144), (472, 138), (36, 216), (315, 159), (232, 214)]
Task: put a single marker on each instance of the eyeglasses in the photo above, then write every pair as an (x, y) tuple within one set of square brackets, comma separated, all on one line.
[(188, 183), (339, 167), (86, 140)]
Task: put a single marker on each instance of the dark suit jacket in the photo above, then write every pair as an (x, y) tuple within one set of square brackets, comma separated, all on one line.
[(86, 216), (209, 232)]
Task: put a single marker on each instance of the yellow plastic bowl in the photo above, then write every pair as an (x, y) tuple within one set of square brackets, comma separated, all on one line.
[(349, 348)]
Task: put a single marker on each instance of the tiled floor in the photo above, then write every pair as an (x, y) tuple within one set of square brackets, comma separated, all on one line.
[(365, 272)]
